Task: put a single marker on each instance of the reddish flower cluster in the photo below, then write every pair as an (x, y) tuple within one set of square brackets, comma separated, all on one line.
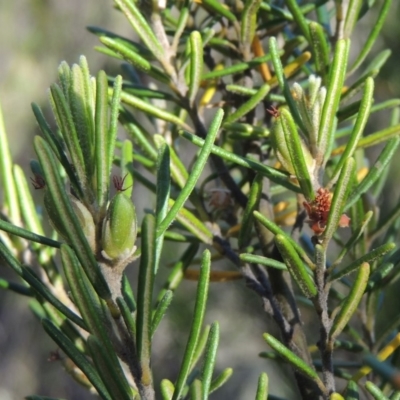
[(318, 211)]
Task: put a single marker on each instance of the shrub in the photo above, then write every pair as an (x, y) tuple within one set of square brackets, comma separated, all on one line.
[(266, 95)]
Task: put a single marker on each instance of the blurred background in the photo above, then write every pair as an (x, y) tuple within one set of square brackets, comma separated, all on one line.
[(35, 36)]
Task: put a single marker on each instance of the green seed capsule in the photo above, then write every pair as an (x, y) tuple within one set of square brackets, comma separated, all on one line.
[(119, 228)]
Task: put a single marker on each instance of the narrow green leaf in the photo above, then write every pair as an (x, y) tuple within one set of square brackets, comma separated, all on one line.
[(162, 195), (275, 175), (167, 389), (262, 387), (221, 379), (361, 121), (196, 64), (127, 315), (272, 227), (248, 24), (30, 277), (144, 297), (375, 171), (113, 378), (268, 262), (152, 110), (374, 390), (295, 266), (209, 359), (68, 218), (8, 184), (219, 9), (249, 105), (196, 392), (352, 391), (177, 271), (353, 10), (16, 287), (178, 170), (199, 311), (21, 232), (357, 234), (62, 113), (366, 258), (373, 35), (248, 217), (320, 49), (339, 198), (85, 298), (126, 166), (57, 148), (101, 141), (294, 360), (377, 278), (141, 27), (372, 139), (336, 80), (113, 123), (351, 303), (160, 310), (297, 154), (77, 357), (194, 175), (236, 68), (283, 84), (298, 17), (133, 57)]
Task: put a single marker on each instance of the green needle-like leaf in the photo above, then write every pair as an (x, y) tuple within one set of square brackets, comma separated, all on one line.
[(152, 110), (194, 175), (296, 267), (248, 218), (68, 219), (373, 35), (248, 24), (77, 357), (375, 171), (141, 27), (15, 230), (112, 377), (249, 105), (162, 194), (160, 310), (209, 359), (275, 175), (366, 258), (199, 311), (272, 227), (268, 262), (293, 359), (352, 391), (320, 49), (144, 298), (196, 64), (351, 303), (219, 9), (336, 80), (221, 379), (8, 184), (297, 154), (167, 389), (262, 387), (101, 140), (374, 390), (339, 198), (362, 117), (298, 17)]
